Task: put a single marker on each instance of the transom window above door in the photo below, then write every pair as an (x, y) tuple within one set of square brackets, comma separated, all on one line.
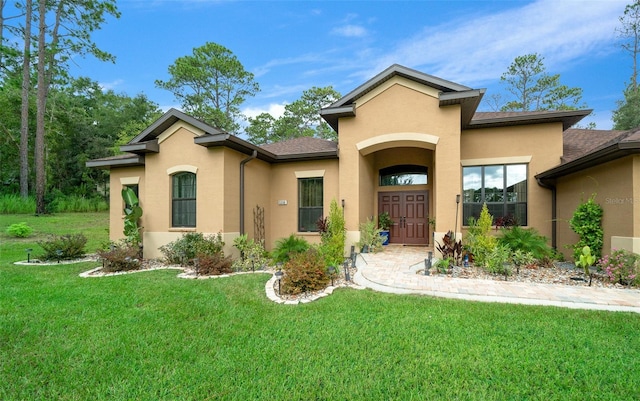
[(403, 174)]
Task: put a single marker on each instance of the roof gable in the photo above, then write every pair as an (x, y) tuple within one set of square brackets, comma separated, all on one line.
[(449, 93)]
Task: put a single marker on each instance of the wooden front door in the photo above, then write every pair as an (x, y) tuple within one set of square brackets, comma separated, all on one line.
[(409, 211)]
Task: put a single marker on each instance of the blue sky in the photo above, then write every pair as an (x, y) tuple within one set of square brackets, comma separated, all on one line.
[(291, 46)]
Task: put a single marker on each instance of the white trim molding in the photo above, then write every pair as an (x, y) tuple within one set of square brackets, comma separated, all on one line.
[(496, 160), (183, 167), (130, 180), (309, 174)]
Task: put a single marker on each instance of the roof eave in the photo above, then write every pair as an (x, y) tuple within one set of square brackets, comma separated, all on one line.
[(609, 153), (332, 114), (568, 119), (469, 101), (142, 147), (235, 143), (333, 154), (167, 120), (134, 160)]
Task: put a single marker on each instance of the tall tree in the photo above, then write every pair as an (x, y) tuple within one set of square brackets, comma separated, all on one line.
[(627, 116), (24, 111), (211, 84), (535, 89), (68, 34), (300, 118)]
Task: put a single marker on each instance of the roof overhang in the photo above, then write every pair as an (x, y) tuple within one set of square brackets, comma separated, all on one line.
[(332, 114), (601, 156), (469, 100), (242, 146), (141, 147), (117, 161), (567, 118)]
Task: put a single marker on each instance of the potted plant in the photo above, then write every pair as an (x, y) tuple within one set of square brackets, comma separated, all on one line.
[(384, 223)]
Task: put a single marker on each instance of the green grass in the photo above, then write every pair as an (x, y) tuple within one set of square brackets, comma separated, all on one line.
[(95, 226), (152, 336)]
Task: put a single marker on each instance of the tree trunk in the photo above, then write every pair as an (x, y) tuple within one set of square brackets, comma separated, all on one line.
[(24, 118), (40, 112)]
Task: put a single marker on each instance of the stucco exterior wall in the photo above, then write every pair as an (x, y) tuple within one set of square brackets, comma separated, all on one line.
[(283, 198), (118, 178), (539, 146), (611, 184), (400, 113)]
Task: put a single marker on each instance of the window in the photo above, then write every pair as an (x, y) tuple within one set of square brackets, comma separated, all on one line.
[(502, 187), (310, 196), (183, 199), (406, 174)]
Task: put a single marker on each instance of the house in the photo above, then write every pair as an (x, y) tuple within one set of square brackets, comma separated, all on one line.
[(409, 143)]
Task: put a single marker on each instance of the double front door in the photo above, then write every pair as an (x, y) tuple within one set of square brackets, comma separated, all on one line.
[(409, 211)]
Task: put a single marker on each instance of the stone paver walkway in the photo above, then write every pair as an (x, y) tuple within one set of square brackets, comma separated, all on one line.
[(394, 270)]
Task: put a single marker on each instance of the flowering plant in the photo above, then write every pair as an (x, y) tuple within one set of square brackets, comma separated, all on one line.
[(621, 267)]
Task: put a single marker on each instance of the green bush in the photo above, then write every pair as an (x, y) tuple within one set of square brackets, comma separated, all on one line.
[(120, 257), (587, 223), (71, 246), (479, 241), (498, 260), (252, 254), (525, 240), (213, 265), (186, 248), (333, 240), (304, 272), (286, 247), (19, 230)]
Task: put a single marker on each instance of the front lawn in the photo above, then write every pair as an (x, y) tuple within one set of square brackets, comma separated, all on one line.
[(152, 336)]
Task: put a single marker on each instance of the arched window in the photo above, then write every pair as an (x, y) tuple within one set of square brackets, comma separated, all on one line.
[(183, 200), (404, 174)]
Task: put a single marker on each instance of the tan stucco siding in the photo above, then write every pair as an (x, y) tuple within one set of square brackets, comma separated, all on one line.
[(283, 200), (539, 146), (610, 182), (257, 180), (405, 115), (118, 178)]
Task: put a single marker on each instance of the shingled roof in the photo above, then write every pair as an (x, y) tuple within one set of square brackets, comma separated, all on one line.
[(303, 145), (579, 142)]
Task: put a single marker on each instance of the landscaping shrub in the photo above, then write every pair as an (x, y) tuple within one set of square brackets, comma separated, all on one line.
[(450, 249), (71, 246), (19, 230), (213, 265), (621, 267), (121, 257), (525, 240), (285, 247), (479, 241), (333, 239), (304, 272), (587, 223), (498, 260), (252, 254), (183, 250)]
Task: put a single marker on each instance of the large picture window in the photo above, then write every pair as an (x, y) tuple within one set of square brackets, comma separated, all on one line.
[(183, 200), (502, 187), (310, 196)]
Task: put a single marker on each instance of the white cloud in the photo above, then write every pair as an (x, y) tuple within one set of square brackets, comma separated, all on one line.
[(275, 109), (111, 85), (350, 31), (476, 48)]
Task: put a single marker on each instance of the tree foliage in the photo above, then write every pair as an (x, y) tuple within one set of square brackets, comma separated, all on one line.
[(534, 89), (301, 118), (627, 115), (211, 84)]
